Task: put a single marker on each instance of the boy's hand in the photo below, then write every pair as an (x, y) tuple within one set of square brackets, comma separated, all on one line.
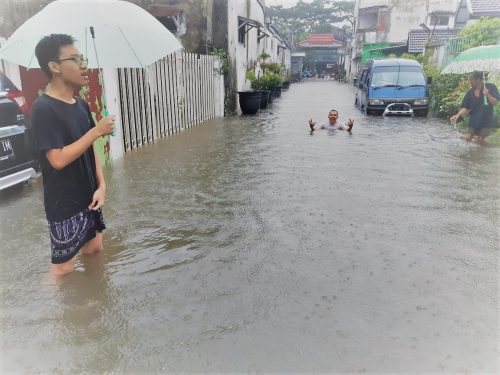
[(485, 91), (454, 119), (106, 125), (98, 199), (311, 124)]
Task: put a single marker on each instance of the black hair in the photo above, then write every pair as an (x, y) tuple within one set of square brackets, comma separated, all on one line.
[(49, 49), (477, 75), (334, 110)]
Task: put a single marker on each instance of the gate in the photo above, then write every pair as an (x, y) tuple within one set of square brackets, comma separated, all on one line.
[(169, 96)]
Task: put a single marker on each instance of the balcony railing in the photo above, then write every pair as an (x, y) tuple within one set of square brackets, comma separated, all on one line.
[(456, 45)]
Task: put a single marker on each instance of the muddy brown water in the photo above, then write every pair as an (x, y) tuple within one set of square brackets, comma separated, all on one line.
[(247, 244)]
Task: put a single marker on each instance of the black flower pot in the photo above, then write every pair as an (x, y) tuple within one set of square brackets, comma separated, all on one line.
[(285, 85), (264, 99), (249, 102), (277, 91)]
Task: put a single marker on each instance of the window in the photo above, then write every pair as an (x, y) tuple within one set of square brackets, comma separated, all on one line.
[(385, 76), (403, 76), (411, 76), (439, 20), (241, 31)]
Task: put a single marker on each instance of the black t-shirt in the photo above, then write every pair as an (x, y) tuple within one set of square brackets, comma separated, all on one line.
[(480, 115), (58, 124)]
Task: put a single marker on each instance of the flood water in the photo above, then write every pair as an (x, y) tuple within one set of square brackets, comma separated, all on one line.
[(247, 244)]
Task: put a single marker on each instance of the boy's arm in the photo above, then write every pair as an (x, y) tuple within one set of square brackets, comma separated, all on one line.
[(60, 158), (99, 173), (100, 194)]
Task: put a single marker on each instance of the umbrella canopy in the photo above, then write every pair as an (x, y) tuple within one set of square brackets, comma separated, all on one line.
[(482, 59), (126, 36)]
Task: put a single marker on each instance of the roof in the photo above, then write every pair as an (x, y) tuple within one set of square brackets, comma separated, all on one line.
[(320, 40), (418, 38), (482, 8)]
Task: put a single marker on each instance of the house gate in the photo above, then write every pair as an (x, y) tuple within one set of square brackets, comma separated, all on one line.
[(171, 95)]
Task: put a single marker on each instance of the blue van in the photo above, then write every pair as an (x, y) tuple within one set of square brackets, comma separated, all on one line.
[(392, 86)]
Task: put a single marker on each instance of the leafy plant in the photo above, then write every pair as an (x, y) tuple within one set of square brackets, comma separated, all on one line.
[(264, 55), (225, 60), (273, 68), (250, 75), (484, 32)]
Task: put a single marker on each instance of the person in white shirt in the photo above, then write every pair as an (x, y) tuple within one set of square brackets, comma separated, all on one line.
[(332, 124)]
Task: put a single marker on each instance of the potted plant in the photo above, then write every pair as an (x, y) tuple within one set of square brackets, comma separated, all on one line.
[(275, 82), (250, 100), (258, 85), (265, 84)]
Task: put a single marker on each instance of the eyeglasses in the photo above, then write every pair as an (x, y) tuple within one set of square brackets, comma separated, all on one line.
[(78, 60)]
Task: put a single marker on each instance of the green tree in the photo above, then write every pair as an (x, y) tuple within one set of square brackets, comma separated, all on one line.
[(315, 17), (484, 32)]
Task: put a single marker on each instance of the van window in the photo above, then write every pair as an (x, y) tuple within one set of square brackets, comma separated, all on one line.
[(398, 76), (385, 76), (411, 76), (363, 76)]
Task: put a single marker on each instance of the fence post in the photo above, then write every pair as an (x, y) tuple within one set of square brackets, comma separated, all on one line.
[(179, 57)]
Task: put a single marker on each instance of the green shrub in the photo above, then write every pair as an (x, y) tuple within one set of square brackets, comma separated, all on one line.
[(225, 60), (273, 68), (445, 97), (484, 32), (250, 75)]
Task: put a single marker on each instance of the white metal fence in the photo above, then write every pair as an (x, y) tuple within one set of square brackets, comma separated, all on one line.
[(173, 94)]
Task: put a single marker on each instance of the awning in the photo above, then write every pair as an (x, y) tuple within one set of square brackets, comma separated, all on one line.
[(248, 24)]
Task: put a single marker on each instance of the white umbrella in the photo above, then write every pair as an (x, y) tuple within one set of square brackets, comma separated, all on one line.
[(481, 59), (126, 36), (484, 58)]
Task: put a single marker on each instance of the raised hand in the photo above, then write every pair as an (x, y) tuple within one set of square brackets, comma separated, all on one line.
[(349, 125), (311, 124)]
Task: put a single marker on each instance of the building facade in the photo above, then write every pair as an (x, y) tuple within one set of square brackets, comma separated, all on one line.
[(387, 24)]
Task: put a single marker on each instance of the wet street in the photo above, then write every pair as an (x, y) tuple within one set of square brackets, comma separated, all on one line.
[(248, 244)]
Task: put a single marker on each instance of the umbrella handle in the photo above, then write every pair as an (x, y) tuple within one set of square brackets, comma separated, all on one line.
[(485, 100), (106, 114)]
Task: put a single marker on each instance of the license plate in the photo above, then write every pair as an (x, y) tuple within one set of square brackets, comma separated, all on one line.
[(400, 107), (6, 150)]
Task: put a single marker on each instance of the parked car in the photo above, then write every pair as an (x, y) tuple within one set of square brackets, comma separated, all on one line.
[(393, 86), (18, 155)]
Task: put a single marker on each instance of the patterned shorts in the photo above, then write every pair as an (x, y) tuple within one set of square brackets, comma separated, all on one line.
[(68, 236)]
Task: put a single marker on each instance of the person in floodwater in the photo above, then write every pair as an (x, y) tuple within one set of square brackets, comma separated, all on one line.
[(481, 121), (332, 124), (73, 181)]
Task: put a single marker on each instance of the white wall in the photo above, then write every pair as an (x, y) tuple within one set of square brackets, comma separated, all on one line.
[(112, 96), (11, 70), (242, 55), (404, 16)]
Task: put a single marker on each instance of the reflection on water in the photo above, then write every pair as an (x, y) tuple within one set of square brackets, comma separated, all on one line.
[(248, 244)]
